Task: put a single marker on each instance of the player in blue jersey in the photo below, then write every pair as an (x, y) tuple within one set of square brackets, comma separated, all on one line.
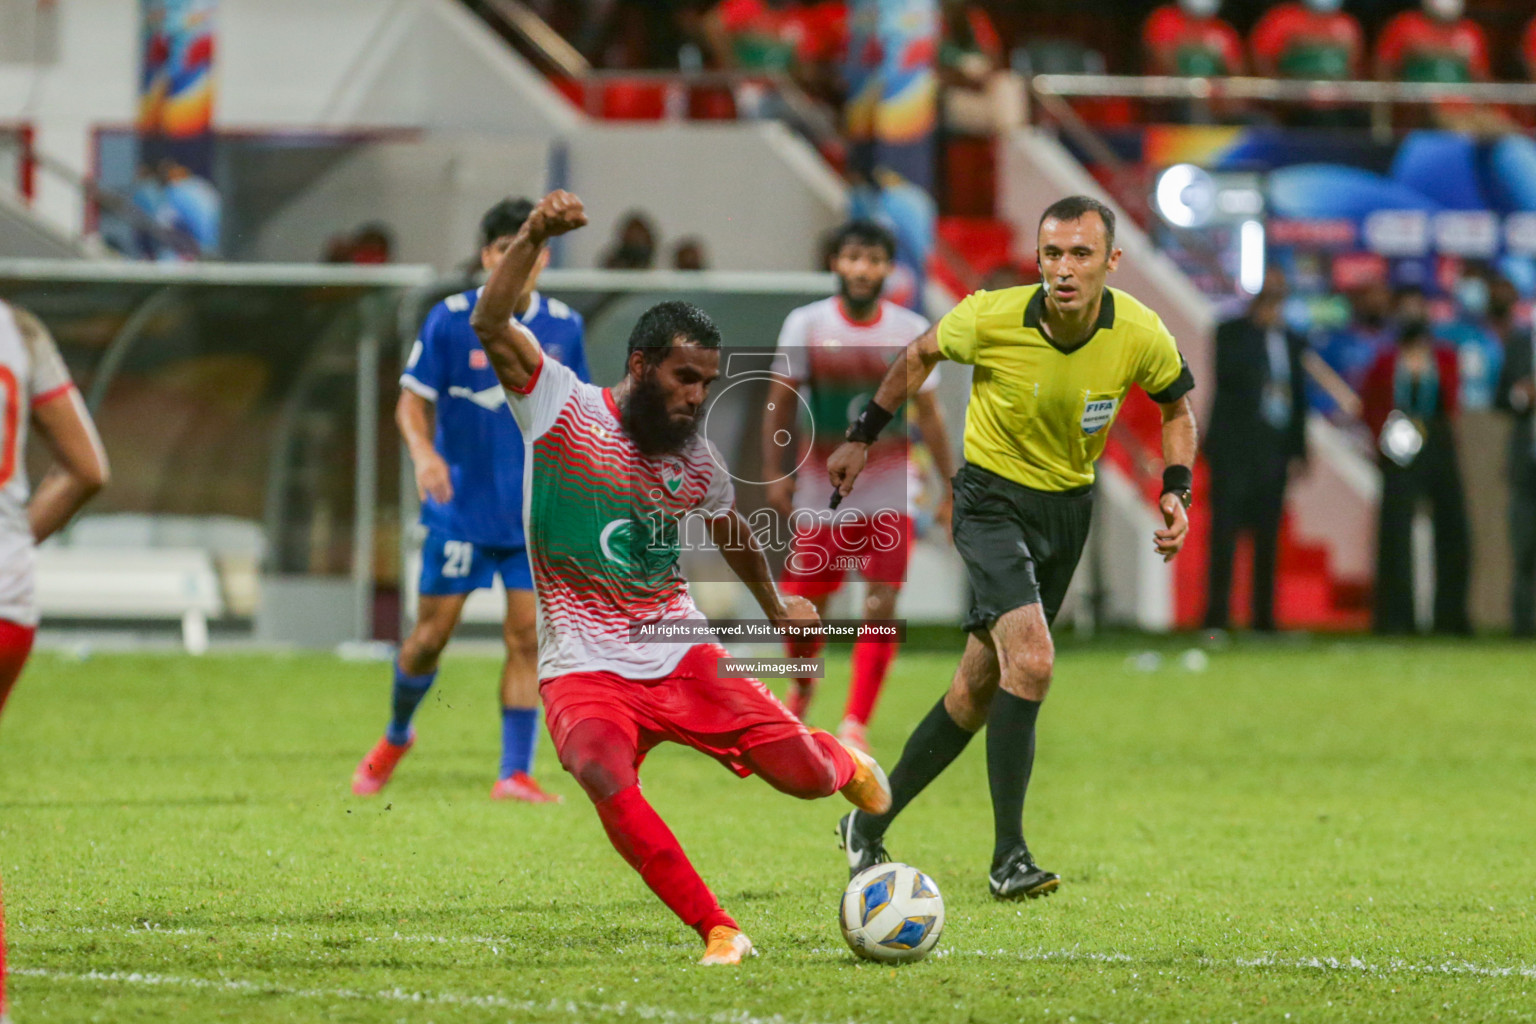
[(469, 473)]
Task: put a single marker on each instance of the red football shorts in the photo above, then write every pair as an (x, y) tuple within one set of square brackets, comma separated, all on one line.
[(717, 715), (824, 553), (15, 645)]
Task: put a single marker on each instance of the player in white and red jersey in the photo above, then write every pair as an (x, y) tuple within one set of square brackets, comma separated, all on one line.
[(834, 353), (610, 474), (35, 390)]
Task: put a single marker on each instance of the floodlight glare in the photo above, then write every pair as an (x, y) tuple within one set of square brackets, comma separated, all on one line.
[(1185, 196)]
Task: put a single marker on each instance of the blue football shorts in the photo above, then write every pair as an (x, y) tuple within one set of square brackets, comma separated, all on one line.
[(459, 566)]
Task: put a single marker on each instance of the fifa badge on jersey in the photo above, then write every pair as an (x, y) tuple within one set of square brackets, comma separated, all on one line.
[(672, 475), (478, 360), (1097, 414)]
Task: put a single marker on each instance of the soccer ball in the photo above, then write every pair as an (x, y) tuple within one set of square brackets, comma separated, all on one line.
[(892, 913)]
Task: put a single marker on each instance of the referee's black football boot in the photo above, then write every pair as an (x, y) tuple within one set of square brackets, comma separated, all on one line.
[(862, 852), (1018, 877)]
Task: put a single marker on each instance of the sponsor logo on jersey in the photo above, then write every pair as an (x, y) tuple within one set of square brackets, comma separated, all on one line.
[(1097, 414), (478, 360), (491, 398)]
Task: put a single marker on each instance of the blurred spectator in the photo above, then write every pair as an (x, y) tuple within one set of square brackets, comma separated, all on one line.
[(688, 254), (371, 243), (1188, 38), (1479, 348), (1409, 303), (634, 247), (1517, 396), (656, 34), (1503, 306), (1410, 406), (1352, 350), (1435, 44), (1256, 439), (1314, 39), (784, 35), (981, 95), (1528, 49)]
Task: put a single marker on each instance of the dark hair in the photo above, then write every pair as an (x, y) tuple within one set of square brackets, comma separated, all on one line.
[(862, 232), (503, 219), (1074, 208), (668, 323), (1413, 330)]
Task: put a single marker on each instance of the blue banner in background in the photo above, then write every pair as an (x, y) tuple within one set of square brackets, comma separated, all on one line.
[(173, 182)]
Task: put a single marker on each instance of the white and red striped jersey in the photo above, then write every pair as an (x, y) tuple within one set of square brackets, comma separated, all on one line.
[(603, 525), (31, 372), (837, 366)]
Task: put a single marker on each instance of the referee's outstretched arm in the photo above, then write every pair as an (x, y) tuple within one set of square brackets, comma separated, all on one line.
[(901, 382), (1180, 442)]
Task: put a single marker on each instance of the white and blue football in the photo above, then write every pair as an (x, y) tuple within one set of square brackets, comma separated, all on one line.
[(892, 913)]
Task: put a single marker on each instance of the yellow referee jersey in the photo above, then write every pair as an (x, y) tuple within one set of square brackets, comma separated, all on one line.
[(1040, 416)]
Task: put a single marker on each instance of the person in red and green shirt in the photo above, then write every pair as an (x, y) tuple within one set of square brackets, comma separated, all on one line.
[(1310, 40), (1188, 38), (1435, 44)]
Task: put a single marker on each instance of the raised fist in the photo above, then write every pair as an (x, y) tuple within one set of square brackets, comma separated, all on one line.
[(557, 213)]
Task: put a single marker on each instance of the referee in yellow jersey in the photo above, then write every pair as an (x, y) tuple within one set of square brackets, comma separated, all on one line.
[(1052, 364)]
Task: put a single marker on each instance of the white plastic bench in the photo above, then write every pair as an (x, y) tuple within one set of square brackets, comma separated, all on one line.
[(116, 583)]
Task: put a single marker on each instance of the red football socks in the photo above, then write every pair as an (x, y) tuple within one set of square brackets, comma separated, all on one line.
[(807, 767), (871, 661), (645, 841), (799, 700)]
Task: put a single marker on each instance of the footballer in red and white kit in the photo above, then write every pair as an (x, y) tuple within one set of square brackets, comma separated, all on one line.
[(35, 390), (834, 354), (609, 474)]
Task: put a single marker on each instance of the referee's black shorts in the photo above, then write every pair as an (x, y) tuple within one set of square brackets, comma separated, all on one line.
[(1019, 545)]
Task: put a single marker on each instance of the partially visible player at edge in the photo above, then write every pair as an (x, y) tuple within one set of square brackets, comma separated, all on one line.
[(1053, 363), (35, 389), (610, 471), (469, 474), (837, 351)]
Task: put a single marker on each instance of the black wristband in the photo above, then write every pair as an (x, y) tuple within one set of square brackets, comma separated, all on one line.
[(1178, 480), (869, 424)]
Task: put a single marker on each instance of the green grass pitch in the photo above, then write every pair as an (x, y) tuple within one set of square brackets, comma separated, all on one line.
[(1333, 831)]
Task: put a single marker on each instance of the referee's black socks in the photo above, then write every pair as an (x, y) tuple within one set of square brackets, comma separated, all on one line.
[(935, 742), (1010, 759)]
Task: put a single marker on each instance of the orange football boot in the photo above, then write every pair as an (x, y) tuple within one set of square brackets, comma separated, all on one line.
[(374, 770), (521, 786), (726, 946)]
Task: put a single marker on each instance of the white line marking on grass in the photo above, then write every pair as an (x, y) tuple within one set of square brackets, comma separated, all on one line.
[(1321, 963), (1396, 965), (1393, 966), (576, 1009)]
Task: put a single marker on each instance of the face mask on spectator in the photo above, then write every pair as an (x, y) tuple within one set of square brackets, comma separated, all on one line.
[(1472, 296), (1200, 8), (1445, 10), (1324, 6)]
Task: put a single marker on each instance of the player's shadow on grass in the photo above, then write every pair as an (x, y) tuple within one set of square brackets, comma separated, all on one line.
[(234, 800)]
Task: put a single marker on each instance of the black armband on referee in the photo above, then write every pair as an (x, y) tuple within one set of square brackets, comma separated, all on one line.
[(869, 424), (1179, 480)]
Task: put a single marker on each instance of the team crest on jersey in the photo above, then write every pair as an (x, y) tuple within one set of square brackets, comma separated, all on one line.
[(672, 476), (478, 360), (1097, 414)]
